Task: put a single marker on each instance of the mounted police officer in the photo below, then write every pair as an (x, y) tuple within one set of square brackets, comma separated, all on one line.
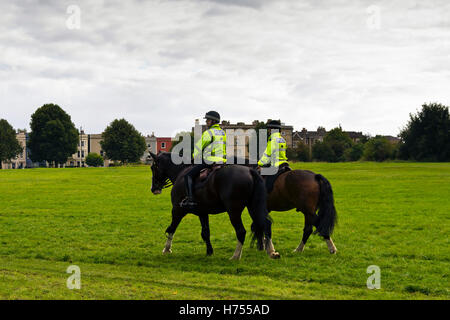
[(211, 149), (275, 153)]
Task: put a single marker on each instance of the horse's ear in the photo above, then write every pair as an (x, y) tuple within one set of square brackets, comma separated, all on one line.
[(151, 158)]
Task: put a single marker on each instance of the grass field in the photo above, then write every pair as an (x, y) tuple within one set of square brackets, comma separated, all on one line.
[(107, 222)]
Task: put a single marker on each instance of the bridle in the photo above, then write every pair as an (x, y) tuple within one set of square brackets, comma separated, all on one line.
[(165, 184)]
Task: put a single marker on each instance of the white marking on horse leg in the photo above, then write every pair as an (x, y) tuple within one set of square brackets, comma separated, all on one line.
[(168, 246), (331, 246), (270, 249), (300, 247), (238, 252)]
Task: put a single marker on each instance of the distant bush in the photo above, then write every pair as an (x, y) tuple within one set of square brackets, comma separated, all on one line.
[(322, 151), (299, 153), (378, 149), (94, 160), (354, 153), (339, 141)]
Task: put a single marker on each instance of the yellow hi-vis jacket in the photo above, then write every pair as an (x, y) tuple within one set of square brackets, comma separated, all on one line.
[(275, 153), (212, 145)]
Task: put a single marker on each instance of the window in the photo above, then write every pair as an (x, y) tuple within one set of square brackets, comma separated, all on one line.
[(78, 154), (82, 154), (163, 145)]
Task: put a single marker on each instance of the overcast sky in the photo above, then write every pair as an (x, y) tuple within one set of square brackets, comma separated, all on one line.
[(160, 64)]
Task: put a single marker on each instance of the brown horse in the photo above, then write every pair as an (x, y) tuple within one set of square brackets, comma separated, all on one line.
[(307, 192)]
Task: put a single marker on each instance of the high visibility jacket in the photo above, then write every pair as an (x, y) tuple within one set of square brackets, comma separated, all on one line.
[(275, 153), (212, 145)]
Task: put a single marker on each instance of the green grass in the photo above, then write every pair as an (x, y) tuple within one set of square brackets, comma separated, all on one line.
[(106, 221)]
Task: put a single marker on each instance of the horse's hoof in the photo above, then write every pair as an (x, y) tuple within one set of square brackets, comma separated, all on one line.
[(300, 248), (275, 255), (333, 251), (167, 251)]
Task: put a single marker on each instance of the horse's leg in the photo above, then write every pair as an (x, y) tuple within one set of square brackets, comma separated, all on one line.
[(328, 240), (204, 220), (236, 221), (307, 230), (330, 244), (177, 215), (268, 241)]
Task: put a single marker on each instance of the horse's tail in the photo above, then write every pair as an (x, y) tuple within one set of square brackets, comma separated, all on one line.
[(258, 208), (327, 212)]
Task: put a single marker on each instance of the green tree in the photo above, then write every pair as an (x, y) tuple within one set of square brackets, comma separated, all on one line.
[(322, 151), (426, 137), (354, 153), (53, 136), (180, 136), (378, 149), (9, 146), (122, 142), (260, 125), (94, 160), (339, 141), (300, 152)]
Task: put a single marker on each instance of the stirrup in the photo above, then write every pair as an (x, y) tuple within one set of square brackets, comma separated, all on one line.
[(187, 203)]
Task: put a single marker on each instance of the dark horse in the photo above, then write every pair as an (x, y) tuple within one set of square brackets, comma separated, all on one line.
[(230, 188), (306, 192)]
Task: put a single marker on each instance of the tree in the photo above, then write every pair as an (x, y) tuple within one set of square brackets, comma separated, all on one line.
[(9, 146), (378, 149), (300, 152), (94, 160), (426, 137), (180, 136), (53, 136), (354, 153), (322, 151), (339, 141), (122, 142)]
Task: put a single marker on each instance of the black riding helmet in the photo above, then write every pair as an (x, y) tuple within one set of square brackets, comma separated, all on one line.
[(274, 124), (213, 115)]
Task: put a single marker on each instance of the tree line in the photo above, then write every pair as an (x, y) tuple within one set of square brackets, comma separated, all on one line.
[(426, 137), (54, 139)]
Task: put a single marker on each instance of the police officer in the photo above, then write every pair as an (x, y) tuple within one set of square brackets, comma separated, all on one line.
[(211, 148), (275, 153)]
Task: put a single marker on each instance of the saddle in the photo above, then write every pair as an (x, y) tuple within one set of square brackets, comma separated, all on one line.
[(270, 180), (205, 173)]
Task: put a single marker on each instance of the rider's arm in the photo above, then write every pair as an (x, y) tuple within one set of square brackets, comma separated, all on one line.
[(265, 159), (201, 144)]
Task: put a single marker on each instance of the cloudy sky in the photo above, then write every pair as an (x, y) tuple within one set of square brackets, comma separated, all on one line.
[(160, 64)]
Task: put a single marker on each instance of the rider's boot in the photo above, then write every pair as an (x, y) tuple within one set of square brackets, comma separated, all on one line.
[(189, 202)]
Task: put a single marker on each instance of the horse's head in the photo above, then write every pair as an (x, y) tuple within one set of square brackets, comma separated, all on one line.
[(160, 178)]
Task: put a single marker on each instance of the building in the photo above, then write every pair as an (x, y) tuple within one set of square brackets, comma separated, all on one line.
[(163, 144), (87, 143), (20, 161), (391, 139), (311, 137), (155, 145)]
